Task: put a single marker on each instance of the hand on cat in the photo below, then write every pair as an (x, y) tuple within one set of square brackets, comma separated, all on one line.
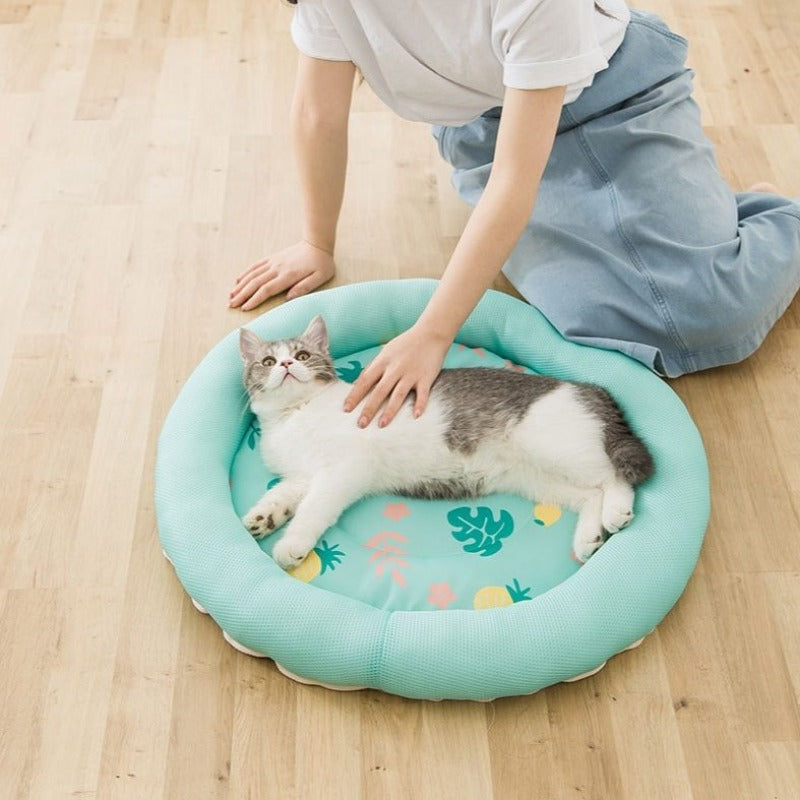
[(408, 363), (296, 270)]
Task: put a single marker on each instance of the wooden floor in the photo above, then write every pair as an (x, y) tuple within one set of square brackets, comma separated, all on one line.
[(144, 161)]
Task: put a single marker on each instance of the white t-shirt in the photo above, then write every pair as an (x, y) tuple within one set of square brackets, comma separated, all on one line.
[(447, 61)]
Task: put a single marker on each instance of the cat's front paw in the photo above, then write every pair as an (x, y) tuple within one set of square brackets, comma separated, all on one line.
[(288, 553), (265, 518), (617, 510)]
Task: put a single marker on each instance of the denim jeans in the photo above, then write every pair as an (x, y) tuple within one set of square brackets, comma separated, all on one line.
[(636, 242)]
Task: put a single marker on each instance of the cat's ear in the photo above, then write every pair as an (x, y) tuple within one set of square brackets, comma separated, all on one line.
[(317, 334), (249, 345)]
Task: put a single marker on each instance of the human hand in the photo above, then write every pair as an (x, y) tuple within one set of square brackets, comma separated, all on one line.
[(296, 270), (409, 362)]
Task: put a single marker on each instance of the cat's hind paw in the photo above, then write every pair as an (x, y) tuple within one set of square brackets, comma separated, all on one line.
[(584, 548), (615, 519), (617, 511), (288, 553)]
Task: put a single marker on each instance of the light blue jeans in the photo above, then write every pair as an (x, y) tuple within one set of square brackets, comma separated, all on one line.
[(636, 242)]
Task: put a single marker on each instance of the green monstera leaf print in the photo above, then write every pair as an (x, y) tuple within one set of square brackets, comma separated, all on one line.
[(482, 532), (253, 434), (350, 372)]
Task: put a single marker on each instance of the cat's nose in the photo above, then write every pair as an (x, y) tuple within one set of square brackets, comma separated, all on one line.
[(287, 362)]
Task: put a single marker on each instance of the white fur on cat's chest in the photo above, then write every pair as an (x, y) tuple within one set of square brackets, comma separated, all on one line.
[(320, 434)]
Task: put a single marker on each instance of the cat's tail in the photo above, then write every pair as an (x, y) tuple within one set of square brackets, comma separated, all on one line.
[(627, 452), (631, 459)]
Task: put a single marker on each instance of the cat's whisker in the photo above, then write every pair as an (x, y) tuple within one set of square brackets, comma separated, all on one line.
[(244, 400)]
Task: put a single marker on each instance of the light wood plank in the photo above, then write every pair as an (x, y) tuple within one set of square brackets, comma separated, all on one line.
[(775, 769), (145, 160), (66, 760)]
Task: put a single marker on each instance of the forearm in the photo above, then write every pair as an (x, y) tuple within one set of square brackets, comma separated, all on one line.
[(490, 235), (319, 120), (524, 140), (320, 150), (319, 117), (411, 361)]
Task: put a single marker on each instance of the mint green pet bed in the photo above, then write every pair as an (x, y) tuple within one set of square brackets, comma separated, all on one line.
[(476, 598)]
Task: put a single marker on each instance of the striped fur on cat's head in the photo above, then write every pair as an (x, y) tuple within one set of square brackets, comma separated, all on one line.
[(284, 372)]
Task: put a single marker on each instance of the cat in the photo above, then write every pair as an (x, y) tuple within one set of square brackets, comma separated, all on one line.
[(484, 430)]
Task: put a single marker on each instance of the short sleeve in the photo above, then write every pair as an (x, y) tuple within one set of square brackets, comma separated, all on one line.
[(546, 43), (314, 34)]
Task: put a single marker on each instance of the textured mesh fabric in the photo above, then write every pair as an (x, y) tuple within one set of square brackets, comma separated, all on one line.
[(620, 595)]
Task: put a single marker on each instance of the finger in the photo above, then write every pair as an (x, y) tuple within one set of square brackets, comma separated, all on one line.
[(243, 291), (362, 385), (258, 265), (306, 285), (275, 285), (253, 272), (396, 400), (357, 393), (421, 403), (260, 295), (374, 401)]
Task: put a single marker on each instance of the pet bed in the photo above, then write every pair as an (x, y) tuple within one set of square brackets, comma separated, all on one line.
[(474, 599)]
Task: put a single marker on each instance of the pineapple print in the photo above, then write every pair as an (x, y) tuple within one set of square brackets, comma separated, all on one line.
[(498, 596), (546, 514), (322, 558)]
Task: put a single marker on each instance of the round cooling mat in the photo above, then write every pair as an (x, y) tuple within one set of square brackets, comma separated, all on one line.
[(399, 553), (475, 598)]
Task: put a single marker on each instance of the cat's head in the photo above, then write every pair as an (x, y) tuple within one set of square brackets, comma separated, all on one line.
[(284, 372)]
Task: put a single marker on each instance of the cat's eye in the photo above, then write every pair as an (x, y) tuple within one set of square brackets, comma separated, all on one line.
[(302, 355), (268, 361)]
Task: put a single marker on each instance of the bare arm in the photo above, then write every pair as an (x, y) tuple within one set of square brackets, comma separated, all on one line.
[(319, 118), (320, 113), (412, 361)]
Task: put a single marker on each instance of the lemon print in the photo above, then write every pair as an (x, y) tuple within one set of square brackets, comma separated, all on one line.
[(498, 596), (317, 562), (546, 514)]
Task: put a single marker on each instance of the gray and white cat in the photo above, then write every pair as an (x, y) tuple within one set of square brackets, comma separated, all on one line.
[(485, 430)]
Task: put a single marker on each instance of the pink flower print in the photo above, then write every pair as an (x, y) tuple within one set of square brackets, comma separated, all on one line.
[(396, 511), (441, 595), (513, 367), (479, 351)]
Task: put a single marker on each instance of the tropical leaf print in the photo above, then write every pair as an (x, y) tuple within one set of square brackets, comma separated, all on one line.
[(255, 432), (322, 558), (480, 530), (388, 555), (329, 555), (350, 372)]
